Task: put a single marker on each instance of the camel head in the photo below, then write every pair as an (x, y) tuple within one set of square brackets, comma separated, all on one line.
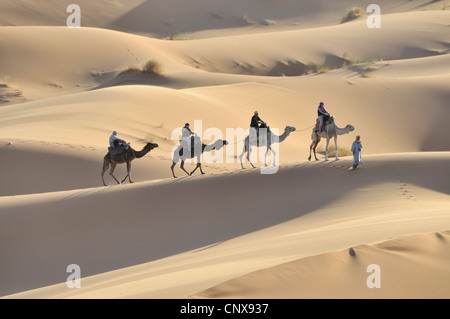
[(350, 128), (290, 129), (151, 146)]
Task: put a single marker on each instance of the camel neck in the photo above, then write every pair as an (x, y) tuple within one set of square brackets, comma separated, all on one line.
[(141, 153), (283, 136), (340, 131), (209, 147)]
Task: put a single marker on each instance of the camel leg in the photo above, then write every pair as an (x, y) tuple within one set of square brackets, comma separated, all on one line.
[(182, 167), (125, 175), (310, 149), (274, 156), (199, 165), (272, 152), (193, 170), (248, 156), (171, 167), (244, 150), (105, 168), (241, 156), (314, 145), (315, 155), (113, 167), (314, 151), (265, 155), (128, 173), (326, 149), (336, 148)]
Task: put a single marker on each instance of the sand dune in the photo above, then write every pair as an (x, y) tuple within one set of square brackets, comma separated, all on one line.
[(405, 268), (123, 226), (231, 233), (255, 53), (199, 18), (106, 53), (437, 66), (53, 12)]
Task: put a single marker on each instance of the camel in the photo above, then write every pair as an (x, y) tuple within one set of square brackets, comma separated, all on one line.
[(125, 157), (178, 155), (331, 130), (267, 141)]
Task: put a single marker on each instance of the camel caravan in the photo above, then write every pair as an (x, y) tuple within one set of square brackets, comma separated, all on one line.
[(260, 135)]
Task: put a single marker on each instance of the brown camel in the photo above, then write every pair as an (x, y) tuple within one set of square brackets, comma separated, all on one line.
[(178, 155), (125, 157)]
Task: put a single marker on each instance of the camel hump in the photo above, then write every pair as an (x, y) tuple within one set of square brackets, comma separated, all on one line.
[(115, 150), (195, 140), (119, 149), (329, 119), (265, 128)]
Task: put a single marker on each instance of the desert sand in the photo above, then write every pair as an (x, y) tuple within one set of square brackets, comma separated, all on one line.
[(310, 230)]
